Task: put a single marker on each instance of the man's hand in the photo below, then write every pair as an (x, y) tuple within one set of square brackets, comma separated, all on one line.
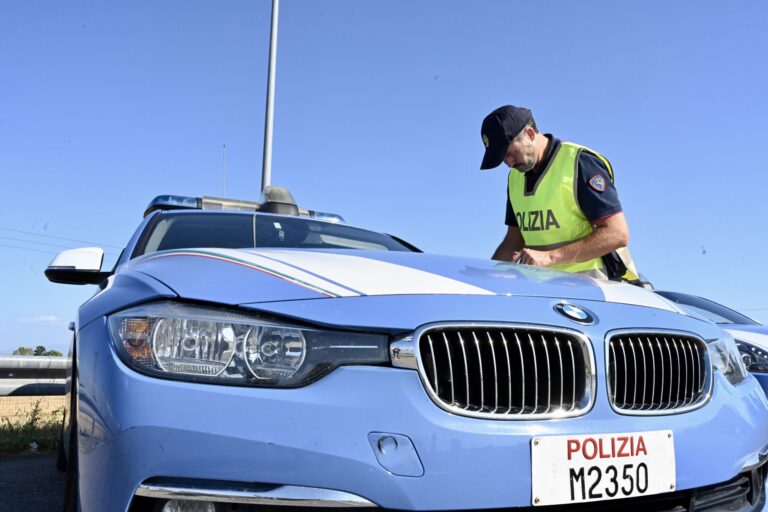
[(609, 234), (512, 242), (533, 257)]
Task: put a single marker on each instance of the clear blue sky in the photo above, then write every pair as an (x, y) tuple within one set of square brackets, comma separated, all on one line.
[(104, 105)]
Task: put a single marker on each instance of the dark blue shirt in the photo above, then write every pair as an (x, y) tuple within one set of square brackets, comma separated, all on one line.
[(596, 205)]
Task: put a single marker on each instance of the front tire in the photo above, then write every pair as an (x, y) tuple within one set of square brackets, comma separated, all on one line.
[(71, 491)]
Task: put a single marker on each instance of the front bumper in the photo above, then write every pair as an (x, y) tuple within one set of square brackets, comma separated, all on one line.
[(744, 493), (133, 429)]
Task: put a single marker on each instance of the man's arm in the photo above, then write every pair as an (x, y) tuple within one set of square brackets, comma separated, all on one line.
[(510, 245), (609, 234)]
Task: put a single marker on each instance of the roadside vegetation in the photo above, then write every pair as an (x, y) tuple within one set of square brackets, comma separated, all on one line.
[(40, 350), (37, 430)]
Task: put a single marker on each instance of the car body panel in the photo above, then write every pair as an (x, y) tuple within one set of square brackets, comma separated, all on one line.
[(756, 335), (753, 333), (267, 275), (408, 312), (737, 324), (120, 291), (762, 379), (134, 427)]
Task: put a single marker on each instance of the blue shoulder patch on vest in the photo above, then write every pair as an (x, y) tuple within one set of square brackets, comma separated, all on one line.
[(597, 182)]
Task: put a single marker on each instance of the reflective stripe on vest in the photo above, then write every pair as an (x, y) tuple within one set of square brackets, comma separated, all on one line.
[(550, 216)]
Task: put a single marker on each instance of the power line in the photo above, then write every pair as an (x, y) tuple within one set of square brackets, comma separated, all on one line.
[(28, 249), (59, 238), (34, 242), (110, 254)]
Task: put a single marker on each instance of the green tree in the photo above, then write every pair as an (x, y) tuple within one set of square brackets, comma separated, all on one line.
[(40, 350)]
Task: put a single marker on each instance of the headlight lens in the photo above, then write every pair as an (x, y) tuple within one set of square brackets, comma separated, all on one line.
[(203, 344), (726, 359), (274, 352), (755, 359)]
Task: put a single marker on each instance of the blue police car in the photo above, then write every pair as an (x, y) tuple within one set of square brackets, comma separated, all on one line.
[(245, 356), (751, 336)]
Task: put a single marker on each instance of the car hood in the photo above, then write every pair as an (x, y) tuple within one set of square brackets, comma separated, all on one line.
[(243, 276), (756, 334)]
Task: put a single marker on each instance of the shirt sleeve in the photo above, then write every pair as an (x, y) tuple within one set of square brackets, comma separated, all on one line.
[(510, 220), (595, 203)]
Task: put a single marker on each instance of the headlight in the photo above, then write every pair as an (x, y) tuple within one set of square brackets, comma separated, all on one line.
[(755, 359), (726, 359), (203, 344)]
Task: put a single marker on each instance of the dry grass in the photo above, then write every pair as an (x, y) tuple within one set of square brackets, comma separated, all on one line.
[(30, 419), (17, 408)]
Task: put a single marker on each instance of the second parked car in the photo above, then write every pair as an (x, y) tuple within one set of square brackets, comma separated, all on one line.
[(751, 336)]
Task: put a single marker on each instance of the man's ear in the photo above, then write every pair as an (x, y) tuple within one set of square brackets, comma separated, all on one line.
[(530, 132)]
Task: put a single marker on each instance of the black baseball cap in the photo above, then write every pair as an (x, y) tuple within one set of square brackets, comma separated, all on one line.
[(499, 128)]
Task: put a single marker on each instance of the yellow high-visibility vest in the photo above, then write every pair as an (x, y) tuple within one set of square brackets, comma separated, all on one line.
[(550, 216)]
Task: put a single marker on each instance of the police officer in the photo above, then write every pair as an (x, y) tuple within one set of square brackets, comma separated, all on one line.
[(563, 210)]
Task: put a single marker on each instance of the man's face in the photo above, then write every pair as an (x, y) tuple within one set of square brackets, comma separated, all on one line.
[(521, 152)]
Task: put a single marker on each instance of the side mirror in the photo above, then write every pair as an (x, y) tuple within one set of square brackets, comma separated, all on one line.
[(77, 266)]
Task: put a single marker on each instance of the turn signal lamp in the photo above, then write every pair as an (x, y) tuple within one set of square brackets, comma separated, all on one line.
[(135, 335)]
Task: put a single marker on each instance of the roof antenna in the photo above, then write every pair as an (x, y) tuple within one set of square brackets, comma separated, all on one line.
[(266, 169)]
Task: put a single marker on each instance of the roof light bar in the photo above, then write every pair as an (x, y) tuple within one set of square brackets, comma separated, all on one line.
[(328, 217), (220, 203), (276, 200), (169, 202)]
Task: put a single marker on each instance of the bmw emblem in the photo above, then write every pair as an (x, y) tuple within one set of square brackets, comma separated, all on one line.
[(575, 313)]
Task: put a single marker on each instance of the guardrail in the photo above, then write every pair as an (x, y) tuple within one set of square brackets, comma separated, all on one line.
[(32, 375)]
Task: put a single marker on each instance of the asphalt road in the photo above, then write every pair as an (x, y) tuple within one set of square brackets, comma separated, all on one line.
[(30, 483)]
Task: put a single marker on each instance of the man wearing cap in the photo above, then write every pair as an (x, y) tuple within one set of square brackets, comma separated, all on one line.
[(563, 211)]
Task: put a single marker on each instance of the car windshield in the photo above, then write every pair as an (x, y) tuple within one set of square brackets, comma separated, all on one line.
[(237, 231), (712, 311)]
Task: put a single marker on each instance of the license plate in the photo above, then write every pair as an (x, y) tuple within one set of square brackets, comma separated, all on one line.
[(574, 469)]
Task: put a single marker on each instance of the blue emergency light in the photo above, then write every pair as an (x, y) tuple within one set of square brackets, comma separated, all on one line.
[(276, 200)]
